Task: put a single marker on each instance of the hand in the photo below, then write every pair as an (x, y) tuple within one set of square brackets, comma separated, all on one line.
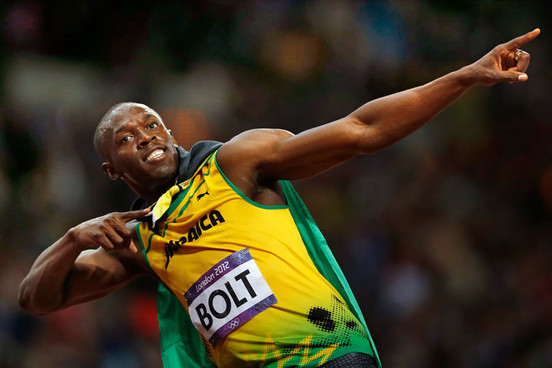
[(504, 63), (109, 231)]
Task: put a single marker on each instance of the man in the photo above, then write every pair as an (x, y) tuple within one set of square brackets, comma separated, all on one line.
[(223, 230)]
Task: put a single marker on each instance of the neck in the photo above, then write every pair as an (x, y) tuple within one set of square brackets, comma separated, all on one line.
[(151, 193)]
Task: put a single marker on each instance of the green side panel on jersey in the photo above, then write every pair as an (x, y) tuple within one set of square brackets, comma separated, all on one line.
[(321, 254), (181, 345)]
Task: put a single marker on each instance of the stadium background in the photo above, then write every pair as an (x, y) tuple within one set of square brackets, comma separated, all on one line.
[(445, 237)]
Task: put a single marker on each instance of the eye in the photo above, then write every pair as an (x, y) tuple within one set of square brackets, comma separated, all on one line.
[(126, 138), (153, 125)]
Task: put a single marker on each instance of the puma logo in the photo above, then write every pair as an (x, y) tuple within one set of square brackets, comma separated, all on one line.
[(202, 195)]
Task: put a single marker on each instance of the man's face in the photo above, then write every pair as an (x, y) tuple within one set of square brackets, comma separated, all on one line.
[(140, 150)]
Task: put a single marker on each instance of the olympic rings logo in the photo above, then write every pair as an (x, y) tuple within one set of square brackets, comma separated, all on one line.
[(233, 324)]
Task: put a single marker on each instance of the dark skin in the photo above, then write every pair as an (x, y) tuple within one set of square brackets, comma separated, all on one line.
[(99, 256)]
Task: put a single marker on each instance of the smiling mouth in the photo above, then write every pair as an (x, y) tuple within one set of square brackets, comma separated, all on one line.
[(155, 154)]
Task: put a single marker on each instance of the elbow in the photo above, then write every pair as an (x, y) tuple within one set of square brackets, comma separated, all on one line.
[(26, 304), (29, 303), (33, 308), (23, 297), (364, 138)]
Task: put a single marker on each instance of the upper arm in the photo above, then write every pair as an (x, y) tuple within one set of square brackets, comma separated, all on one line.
[(98, 272), (272, 154)]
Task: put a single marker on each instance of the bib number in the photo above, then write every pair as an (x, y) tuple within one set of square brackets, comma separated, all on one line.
[(229, 294)]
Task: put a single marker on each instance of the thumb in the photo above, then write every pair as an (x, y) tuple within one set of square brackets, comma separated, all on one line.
[(132, 247), (522, 77), (512, 77)]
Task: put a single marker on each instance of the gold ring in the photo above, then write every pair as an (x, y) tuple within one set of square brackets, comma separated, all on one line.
[(516, 55)]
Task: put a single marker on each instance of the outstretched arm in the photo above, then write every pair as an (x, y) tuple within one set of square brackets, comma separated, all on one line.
[(71, 271), (394, 117), (260, 155)]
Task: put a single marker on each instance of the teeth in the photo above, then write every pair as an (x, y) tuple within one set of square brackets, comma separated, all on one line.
[(154, 154)]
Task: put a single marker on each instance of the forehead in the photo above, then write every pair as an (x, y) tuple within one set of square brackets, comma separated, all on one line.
[(122, 117)]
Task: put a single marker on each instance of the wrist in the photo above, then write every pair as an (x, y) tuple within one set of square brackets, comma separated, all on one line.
[(466, 76)]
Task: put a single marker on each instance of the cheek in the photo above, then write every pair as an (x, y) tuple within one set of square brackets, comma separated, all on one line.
[(125, 161)]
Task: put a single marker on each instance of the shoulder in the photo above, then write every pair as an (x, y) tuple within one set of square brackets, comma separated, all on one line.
[(253, 139), (243, 158), (252, 147)]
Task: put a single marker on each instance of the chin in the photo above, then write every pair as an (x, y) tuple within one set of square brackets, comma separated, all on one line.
[(163, 175)]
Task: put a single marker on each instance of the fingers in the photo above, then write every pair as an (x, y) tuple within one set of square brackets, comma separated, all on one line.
[(513, 60), (517, 42), (134, 215), (522, 61), (114, 241), (119, 234), (109, 231)]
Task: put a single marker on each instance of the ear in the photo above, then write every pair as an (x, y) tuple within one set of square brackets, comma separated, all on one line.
[(110, 171)]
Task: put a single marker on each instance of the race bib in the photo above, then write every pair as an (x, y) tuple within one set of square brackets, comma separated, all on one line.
[(231, 293)]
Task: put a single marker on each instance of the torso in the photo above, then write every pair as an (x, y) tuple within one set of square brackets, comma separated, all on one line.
[(241, 266)]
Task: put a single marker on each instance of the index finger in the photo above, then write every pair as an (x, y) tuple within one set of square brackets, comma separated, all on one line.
[(517, 42), (134, 215)]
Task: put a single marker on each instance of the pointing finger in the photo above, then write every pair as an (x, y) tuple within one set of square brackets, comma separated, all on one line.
[(517, 42), (134, 215)]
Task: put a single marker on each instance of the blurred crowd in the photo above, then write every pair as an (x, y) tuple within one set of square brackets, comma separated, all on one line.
[(445, 237)]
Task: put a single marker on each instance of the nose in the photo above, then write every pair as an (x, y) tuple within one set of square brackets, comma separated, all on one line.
[(144, 138)]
